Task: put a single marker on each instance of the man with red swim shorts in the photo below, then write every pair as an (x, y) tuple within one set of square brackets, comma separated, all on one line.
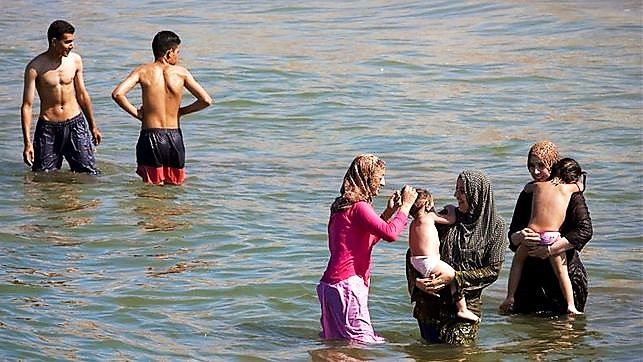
[(160, 153)]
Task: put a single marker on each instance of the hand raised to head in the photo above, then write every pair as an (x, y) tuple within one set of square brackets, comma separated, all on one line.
[(409, 194)]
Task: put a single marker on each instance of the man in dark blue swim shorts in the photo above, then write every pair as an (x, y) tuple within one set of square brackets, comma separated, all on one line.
[(61, 131), (70, 139)]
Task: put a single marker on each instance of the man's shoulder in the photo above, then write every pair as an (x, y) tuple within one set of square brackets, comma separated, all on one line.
[(75, 58), (179, 70), (37, 62)]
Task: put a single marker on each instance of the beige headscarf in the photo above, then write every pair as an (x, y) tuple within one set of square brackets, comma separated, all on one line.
[(361, 182), (546, 151)]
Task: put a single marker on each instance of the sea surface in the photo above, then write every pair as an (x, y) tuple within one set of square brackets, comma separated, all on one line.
[(224, 268)]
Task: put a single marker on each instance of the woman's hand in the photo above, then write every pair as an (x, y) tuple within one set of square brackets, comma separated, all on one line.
[(526, 237), (539, 251), (408, 198), (530, 240), (395, 201), (544, 251), (441, 275)]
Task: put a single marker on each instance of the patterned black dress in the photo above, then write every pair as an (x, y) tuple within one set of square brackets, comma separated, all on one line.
[(475, 247), (539, 291)]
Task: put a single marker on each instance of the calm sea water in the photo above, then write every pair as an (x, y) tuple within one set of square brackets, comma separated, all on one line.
[(225, 267)]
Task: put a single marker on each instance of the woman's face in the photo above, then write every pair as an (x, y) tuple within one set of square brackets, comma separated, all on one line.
[(460, 194), (537, 168), (381, 183)]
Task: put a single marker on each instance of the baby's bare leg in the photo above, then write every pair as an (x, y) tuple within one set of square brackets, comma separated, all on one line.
[(463, 311), (514, 277), (559, 263)]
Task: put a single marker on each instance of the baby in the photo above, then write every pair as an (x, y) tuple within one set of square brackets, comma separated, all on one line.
[(425, 244), (548, 209)]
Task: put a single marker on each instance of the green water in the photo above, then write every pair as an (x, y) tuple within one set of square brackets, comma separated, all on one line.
[(225, 267)]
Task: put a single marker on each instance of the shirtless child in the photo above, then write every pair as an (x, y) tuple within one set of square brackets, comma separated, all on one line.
[(548, 208), (160, 152), (61, 131), (425, 243)]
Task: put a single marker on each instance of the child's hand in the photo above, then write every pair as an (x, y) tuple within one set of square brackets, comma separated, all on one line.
[(445, 216), (139, 113), (450, 216)]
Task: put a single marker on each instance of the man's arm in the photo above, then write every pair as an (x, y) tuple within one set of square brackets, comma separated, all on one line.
[(82, 96), (119, 94), (203, 99), (25, 112)]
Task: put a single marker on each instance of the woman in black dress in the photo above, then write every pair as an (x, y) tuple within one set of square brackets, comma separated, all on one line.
[(539, 290)]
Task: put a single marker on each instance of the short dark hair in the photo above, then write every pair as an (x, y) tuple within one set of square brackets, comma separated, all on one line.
[(567, 169), (164, 41), (58, 28)]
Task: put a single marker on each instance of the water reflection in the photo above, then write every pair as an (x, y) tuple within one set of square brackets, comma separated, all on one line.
[(57, 199), (340, 354), (158, 209), (538, 338)]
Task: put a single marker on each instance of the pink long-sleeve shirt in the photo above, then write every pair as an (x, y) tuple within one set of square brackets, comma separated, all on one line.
[(352, 233)]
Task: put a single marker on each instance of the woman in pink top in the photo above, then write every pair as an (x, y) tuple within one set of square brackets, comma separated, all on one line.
[(353, 229)]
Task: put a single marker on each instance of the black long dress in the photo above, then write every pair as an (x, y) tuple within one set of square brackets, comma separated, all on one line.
[(539, 290)]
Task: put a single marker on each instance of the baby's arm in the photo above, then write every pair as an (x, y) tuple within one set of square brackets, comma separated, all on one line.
[(580, 185), (442, 218)]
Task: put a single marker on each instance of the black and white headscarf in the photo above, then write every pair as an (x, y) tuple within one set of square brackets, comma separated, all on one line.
[(478, 238)]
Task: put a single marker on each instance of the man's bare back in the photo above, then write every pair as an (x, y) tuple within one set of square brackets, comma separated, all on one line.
[(162, 84), (162, 88)]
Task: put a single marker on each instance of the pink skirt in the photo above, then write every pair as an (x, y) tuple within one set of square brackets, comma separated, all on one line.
[(344, 311)]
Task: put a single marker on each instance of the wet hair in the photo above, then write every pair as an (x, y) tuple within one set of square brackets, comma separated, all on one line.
[(546, 151), (423, 199), (567, 169), (58, 28), (164, 41)]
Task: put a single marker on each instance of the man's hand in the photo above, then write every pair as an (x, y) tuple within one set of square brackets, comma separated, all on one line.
[(27, 155), (96, 137)]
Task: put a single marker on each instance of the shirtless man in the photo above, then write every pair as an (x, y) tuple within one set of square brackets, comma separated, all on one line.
[(548, 209), (160, 153), (61, 131)]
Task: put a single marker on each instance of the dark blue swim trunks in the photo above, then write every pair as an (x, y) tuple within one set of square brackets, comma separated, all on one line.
[(69, 139)]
